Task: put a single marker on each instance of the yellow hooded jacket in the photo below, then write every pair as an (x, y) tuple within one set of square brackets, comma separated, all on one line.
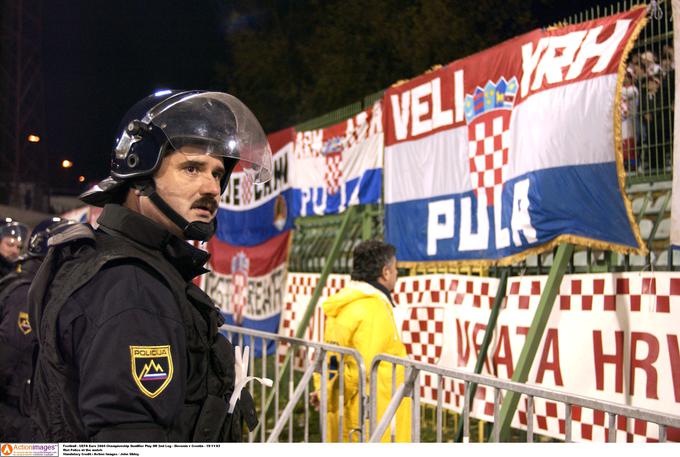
[(360, 317)]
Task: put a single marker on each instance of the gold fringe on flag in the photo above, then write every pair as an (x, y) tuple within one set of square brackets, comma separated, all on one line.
[(618, 140)]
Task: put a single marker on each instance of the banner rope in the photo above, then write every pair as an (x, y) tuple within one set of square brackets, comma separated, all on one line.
[(655, 10)]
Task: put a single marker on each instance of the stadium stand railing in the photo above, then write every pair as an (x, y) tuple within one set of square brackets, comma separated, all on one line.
[(286, 414), (286, 411), (411, 389)]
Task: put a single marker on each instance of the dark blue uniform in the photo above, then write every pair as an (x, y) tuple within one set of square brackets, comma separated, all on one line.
[(6, 267), (125, 306), (17, 343), (134, 353)]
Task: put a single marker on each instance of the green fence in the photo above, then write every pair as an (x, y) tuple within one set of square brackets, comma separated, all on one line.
[(648, 94), (314, 236)]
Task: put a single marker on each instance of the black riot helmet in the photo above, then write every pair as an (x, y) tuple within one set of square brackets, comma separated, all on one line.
[(37, 242), (13, 229), (216, 122)]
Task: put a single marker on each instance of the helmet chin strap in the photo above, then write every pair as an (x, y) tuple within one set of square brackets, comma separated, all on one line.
[(199, 231)]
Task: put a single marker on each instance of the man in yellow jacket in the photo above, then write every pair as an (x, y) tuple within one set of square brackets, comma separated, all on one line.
[(360, 316)]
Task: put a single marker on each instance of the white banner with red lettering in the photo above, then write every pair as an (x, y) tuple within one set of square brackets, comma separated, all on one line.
[(613, 337), (512, 150)]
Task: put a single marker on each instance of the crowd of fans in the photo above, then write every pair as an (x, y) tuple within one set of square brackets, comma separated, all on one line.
[(647, 100)]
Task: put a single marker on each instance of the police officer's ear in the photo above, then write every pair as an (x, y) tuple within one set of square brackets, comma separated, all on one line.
[(142, 187), (134, 190)]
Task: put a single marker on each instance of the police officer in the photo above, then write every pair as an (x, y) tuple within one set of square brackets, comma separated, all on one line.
[(129, 348), (17, 339), (12, 236)]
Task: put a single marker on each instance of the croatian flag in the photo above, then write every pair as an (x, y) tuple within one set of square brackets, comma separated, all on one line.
[(513, 150), (253, 213), (249, 251), (338, 166), (248, 283)]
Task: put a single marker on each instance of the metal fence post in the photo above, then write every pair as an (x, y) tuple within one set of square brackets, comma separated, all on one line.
[(327, 268), (534, 336), (488, 333)]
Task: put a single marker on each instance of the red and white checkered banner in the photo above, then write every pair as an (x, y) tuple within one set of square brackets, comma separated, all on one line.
[(299, 290), (612, 337)]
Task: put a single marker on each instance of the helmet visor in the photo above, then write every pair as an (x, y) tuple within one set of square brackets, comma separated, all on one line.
[(221, 125), (15, 230)]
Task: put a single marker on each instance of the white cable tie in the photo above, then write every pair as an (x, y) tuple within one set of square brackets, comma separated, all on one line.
[(236, 394)]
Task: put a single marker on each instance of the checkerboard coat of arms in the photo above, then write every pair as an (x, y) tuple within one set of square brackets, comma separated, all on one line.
[(240, 267), (422, 333), (247, 189), (332, 151), (488, 112)]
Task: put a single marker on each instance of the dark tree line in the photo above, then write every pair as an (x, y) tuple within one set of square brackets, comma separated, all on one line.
[(293, 60)]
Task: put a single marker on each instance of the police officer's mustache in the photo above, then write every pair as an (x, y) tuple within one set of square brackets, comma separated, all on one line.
[(206, 203)]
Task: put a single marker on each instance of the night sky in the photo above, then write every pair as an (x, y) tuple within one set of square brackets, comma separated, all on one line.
[(100, 57)]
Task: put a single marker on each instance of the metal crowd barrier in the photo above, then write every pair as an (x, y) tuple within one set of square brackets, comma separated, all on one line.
[(314, 360), (412, 390)]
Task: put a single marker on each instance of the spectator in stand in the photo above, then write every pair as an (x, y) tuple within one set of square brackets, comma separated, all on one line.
[(668, 72), (636, 69), (667, 67), (656, 126), (652, 68), (629, 107), (667, 54)]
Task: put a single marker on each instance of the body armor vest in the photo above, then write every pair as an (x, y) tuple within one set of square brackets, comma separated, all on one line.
[(69, 265), (22, 369)]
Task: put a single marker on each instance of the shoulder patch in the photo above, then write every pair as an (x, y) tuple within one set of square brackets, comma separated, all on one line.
[(23, 323), (151, 368)]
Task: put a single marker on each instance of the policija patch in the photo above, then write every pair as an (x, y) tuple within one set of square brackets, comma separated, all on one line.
[(151, 368), (23, 323)]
